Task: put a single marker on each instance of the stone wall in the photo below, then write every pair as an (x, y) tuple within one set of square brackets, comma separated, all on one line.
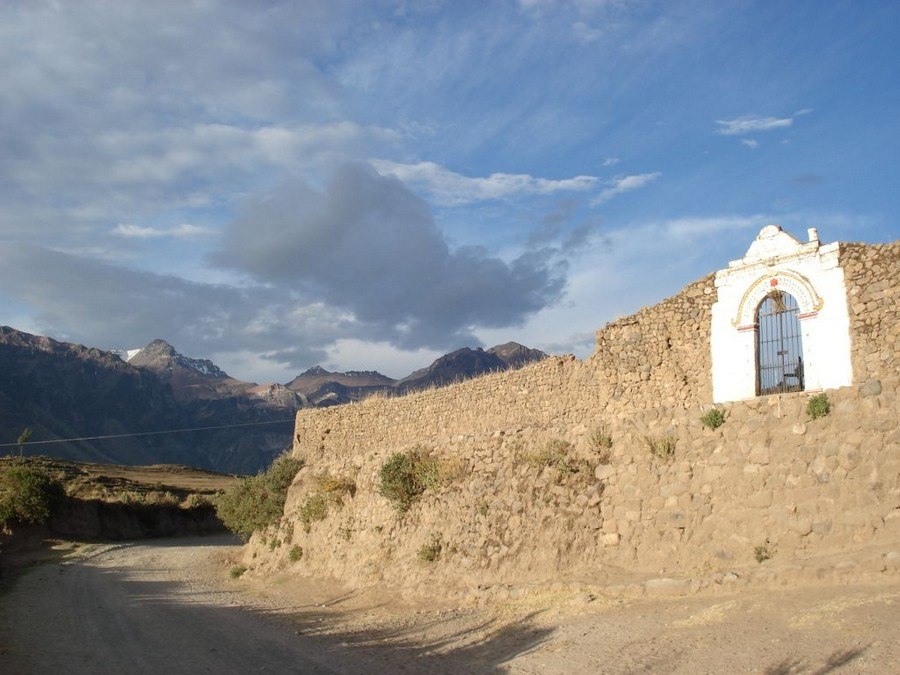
[(768, 479), (507, 512), (874, 304), (657, 357), (660, 355)]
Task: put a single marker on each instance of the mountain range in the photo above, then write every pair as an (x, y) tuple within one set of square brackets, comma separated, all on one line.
[(68, 391)]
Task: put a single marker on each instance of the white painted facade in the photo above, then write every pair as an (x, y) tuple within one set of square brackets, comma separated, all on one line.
[(811, 274)]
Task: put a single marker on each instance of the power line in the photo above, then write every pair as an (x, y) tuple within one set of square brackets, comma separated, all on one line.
[(142, 433)]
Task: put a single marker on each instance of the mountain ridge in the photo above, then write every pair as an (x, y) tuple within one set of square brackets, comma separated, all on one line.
[(65, 390)]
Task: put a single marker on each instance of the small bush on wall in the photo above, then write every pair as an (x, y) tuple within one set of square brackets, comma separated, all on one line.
[(601, 442), (662, 447), (432, 550), (713, 419), (406, 475), (818, 406), (328, 491), (556, 453)]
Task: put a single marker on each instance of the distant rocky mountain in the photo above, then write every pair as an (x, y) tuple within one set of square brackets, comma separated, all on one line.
[(515, 355), (321, 388), (213, 398), (63, 390), (191, 379), (467, 363), (68, 391)]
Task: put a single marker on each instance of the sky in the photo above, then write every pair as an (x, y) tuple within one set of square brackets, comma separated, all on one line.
[(368, 185)]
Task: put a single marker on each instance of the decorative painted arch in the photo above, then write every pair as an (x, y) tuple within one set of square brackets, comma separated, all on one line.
[(789, 282)]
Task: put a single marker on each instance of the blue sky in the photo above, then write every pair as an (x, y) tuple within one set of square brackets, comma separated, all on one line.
[(367, 185)]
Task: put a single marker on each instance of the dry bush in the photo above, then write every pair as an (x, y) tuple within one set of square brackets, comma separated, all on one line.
[(328, 491), (556, 453), (662, 447)]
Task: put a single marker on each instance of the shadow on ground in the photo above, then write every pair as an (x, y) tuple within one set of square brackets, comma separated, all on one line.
[(80, 617)]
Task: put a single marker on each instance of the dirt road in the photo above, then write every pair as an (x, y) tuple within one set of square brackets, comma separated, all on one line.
[(139, 608), (168, 606)]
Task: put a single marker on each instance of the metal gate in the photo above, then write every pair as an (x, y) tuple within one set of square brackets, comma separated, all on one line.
[(779, 349)]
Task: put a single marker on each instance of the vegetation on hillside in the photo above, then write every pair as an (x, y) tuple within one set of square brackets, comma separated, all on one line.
[(28, 494), (255, 502)]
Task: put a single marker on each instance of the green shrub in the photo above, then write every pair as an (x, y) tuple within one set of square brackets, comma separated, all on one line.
[(664, 447), (27, 495), (295, 553), (255, 502), (818, 406), (237, 571), (432, 550), (482, 508), (313, 509), (713, 419), (406, 475)]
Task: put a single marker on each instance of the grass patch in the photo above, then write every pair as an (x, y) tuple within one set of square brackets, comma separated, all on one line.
[(406, 475), (482, 508), (256, 502), (713, 419), (295, 554), (237, 571), (430, 552), (601, 442), (818, 406), (662, 447), (555, 453)]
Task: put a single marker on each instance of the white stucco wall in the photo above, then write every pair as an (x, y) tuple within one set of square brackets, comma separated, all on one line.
[(809, 272)]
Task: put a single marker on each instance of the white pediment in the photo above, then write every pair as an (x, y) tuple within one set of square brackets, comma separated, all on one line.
[(772, 242)]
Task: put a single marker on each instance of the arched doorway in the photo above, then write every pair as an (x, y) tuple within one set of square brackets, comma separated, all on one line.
[(779, 347)]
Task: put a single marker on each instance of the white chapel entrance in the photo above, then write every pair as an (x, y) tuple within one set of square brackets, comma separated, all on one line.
[(780, 323)]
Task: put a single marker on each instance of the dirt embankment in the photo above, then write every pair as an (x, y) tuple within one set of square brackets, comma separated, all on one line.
[(112, 503)]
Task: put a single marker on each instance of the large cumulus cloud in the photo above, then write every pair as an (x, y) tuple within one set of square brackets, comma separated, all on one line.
[(86, 300), (367, 245)]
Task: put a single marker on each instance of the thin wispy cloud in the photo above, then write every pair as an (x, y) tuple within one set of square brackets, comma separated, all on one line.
[(183, 231), (750, 143), (750, 124), (625, 184), (449, 188)]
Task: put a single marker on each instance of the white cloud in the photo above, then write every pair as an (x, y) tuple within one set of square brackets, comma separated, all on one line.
[(624, 184), (183, 231), (750, 124), (747, 124), (610, 161), (452, 189), (750, 143)]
